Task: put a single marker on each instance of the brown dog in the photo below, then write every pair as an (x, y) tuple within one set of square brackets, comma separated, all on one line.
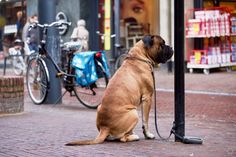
[(130, 87)]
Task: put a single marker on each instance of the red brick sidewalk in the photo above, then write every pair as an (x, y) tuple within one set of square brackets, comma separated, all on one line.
[(43, 130)]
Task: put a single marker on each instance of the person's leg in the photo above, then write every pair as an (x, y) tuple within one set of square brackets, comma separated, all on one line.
[(1, 40)]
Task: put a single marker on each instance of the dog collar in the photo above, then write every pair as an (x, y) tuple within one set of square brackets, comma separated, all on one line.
[(140, 59)]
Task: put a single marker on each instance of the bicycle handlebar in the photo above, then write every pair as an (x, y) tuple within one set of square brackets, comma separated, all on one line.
[(111, 36), (56, 23), (104, 35)]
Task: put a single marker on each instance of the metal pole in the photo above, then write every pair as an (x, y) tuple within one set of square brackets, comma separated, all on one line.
[(179, 69), (47, 14), (170, 62), (117, 24)]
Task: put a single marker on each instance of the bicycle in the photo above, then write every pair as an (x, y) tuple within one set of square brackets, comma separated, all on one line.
[(121, 51), (37, 75), (122, 55)]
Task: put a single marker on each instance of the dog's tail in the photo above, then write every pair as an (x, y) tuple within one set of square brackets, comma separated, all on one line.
[(99, 139)]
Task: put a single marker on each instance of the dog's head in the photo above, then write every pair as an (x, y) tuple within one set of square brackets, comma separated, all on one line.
[(156, 48)]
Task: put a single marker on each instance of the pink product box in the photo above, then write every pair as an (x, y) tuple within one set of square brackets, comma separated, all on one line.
[(194, 27), (234, 57), (204, 59), (224, 60), (228, 57), (199, 14), (192, 59), (219, 58), (214, 59), (209, 59)]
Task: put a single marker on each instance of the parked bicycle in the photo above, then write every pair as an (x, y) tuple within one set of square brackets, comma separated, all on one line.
[(122, 54), (121, 51), (37, 75)]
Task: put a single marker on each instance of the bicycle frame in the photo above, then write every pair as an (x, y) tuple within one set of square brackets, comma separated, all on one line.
[(44, 54)]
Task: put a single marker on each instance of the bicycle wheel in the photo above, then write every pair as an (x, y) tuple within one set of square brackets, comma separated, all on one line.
[(37, 80), (18, 65), (91, 96), (119, 61)]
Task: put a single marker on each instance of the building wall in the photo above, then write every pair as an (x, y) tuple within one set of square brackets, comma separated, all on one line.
[(89, 12), (71, 8), (166, 21), (74, 10)]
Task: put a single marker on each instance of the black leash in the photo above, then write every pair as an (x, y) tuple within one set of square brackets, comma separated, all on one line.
[(172, 131), (155, 113)]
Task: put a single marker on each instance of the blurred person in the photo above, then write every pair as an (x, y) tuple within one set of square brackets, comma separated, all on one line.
[(17, 59), (25, 29), (81, 35), (17, 48), (33, 35), (2, 46), (19, 24), (2, 24)]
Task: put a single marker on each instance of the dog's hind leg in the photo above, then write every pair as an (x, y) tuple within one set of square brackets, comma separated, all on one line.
[(129, 121)]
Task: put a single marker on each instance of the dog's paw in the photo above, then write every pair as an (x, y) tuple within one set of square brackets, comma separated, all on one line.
[(148, 135), (129, 138)]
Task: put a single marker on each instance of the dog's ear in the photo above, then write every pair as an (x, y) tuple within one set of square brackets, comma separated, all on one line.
[(148, 41)]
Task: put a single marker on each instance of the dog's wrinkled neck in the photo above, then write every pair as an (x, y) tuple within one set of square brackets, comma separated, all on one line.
[(140, 54), (140, 59)]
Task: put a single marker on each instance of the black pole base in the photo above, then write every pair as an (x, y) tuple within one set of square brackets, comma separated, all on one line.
[(187, 139), (191, 140)]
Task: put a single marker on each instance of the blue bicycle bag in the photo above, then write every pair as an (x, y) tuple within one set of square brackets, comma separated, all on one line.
[(86, 69)]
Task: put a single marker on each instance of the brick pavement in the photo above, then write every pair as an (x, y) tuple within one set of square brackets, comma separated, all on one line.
[(43, 130)]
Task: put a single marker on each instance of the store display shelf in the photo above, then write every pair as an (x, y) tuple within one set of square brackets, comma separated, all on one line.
[(206, 67), (228, 64), (216, 27), (202, 66)]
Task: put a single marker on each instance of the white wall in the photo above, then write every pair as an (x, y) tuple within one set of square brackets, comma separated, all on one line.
[(165, 20), (166, 26)]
